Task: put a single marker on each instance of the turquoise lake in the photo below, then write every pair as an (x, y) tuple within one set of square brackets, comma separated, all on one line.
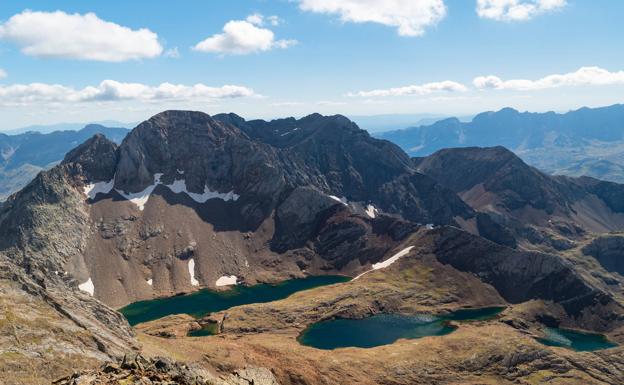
[(385, 329), (582, 342), (207, 301)]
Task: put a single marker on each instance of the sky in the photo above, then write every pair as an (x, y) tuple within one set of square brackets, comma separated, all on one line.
[(82, 61)]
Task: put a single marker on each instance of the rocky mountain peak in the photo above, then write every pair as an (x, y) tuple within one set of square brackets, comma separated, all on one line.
[(460, 169), (97, 158), (176, 142)]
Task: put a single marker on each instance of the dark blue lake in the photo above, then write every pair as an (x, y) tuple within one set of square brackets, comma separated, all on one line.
[(386, 328), (207, 301)]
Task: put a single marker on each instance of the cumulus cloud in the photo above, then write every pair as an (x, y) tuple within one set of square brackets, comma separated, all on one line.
[(75, 36), (110, 90), (423, 89), (241, 37), (516, 10), (3, 74), (410, 17), (585, 76)]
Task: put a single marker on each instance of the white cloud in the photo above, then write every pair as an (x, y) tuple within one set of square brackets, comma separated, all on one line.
[(255, 19), (274, 20), (241, 37), (423, 89), (173, 53), (260, 20), (516, 10), (75, 36), (110, 90), (411, 17), (585, 76), (3, 74)]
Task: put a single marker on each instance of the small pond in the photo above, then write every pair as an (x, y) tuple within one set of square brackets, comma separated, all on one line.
[(206, 330), (385, 329), (579, 341), (207, 301)]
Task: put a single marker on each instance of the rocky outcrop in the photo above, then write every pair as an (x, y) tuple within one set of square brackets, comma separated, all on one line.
[(550, 212), (162, 371), (500, 172), (49, 325), (97, 158), (608, 251), (521, 276), (332, 154)]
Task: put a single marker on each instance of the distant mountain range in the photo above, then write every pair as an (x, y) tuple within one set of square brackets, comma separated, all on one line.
[(390, 122), (588, 141), (22, 156), (48, 128)]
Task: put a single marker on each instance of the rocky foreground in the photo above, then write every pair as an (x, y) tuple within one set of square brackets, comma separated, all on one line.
[(162, 371)]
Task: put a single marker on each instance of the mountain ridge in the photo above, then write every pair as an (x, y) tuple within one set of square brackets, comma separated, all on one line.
[(513, 129), (26, 154)]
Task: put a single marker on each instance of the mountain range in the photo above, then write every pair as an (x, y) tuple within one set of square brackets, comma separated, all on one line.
[(24, 155), (188, 201), (588, 141)]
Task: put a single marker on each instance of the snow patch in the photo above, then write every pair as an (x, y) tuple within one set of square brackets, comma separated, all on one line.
[(91, 190), (342, 200), (140, 198), (227, 280), (191, 269), (429, 226), (387, 262), (180, 171), (178, 186), (149, 282), (87, 287), (371, 211), (290, 132)]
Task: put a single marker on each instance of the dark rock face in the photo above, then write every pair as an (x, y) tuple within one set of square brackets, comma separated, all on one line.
[(208, 153), (346, 238), (297, 219), (521, 276), (494, 231), (499, 171), (98, 157), (335, 156), (515, 183), (263, 161), (608, 251), (522, 202), (611, 193)]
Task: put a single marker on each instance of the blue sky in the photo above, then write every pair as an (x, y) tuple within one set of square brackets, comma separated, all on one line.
[(355, 57)]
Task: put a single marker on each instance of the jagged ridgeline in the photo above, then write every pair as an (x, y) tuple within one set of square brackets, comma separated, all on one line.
[(188, 201)]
